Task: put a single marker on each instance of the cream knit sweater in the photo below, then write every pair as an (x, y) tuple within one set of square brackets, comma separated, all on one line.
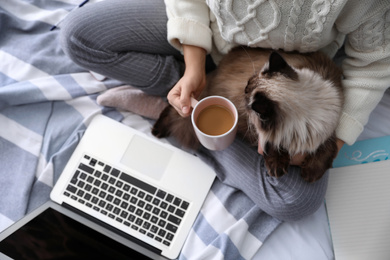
[(305, 26)]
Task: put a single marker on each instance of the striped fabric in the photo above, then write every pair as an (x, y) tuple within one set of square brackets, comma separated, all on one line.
[(46, 103)]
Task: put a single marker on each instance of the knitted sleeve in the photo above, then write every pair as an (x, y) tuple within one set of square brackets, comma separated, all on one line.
[(189, 23), (367, 73)]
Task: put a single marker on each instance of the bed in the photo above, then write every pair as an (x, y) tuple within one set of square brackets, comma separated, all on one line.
[(46, 103)]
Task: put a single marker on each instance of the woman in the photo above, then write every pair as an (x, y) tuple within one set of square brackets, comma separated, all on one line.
[(127, 40)]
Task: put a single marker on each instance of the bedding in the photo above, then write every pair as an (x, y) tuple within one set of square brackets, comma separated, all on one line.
[(46, 103)]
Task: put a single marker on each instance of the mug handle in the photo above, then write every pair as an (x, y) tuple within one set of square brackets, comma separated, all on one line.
[(193, 102)]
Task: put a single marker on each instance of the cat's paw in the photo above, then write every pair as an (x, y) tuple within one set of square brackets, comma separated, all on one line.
[(161, 127), (276, 171), (170, 123), (277, 161), (315, 165)]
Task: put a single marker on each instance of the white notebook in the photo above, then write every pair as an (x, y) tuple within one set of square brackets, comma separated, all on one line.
[(358, 205)]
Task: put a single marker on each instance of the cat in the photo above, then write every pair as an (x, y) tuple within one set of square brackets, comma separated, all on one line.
[(289, 101)]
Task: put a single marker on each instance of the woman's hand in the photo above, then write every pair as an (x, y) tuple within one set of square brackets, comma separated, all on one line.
[(193, 81), (299, 158)]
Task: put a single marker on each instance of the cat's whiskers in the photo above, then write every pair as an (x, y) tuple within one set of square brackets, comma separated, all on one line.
[(253, 64)]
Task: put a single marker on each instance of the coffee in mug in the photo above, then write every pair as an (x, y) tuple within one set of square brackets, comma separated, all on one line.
[(215, 120)]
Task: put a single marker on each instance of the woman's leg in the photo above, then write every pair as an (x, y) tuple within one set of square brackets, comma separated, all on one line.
[(288, 198), (125, 40)]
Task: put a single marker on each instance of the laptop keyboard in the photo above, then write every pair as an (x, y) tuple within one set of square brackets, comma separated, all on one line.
[(146, 209)]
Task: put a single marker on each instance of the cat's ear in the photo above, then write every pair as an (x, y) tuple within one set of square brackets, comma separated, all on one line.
[(266, 109), (277, 64)]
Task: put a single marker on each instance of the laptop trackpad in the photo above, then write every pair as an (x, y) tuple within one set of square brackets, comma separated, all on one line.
[(146, 157)]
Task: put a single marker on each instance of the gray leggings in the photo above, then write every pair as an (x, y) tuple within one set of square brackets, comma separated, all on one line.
[(126, 40)]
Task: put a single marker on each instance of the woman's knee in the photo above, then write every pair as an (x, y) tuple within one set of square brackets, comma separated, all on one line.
[(298, 199)]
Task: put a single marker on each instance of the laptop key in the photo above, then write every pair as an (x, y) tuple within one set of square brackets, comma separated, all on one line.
[(139, 212), (124, 214), (102, 203), (148, 198), (109, 198), (124, 205), (171, 208), (134, 191), (87, 196), (141, 194), (161, 194), (109, 207), (75, 177), (171, 228), (98, 174), (80, 193), (162, 233), (90, 179), (81, 184), (163, 214), (169, 198), (154, 219), (104, 177), (140, 184), (93, 162), (177, 201), (107, 168), (162, 223), (71, 188), (104, 186), (154, 229), (88, 187), (180, 212), (185, 205), (111, 180), (174, 220), (169, 236), (134, 227), (115, 172), (164, 205), (131, 218), (86, 168), (156, 201), (102, 194), (146, 225)]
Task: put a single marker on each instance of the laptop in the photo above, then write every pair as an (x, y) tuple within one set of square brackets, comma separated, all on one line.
[(121, 194)]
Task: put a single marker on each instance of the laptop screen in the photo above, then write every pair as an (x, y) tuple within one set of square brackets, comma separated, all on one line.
[(52, 235)]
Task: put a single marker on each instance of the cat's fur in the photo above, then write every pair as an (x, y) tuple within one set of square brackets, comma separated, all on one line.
[(291, 101)]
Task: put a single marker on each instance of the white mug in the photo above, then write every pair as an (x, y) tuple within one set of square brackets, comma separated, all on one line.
[(222, 129)]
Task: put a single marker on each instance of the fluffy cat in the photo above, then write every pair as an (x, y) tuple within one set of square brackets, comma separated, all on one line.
[(291, 102)]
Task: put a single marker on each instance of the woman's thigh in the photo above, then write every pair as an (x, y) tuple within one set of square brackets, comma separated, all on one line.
[(122, 25), (124, 40)]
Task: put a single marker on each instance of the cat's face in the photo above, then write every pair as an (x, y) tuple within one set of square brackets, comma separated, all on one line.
[(295, 109)]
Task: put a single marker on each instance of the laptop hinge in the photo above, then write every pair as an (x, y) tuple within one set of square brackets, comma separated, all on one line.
[(113, 229)]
